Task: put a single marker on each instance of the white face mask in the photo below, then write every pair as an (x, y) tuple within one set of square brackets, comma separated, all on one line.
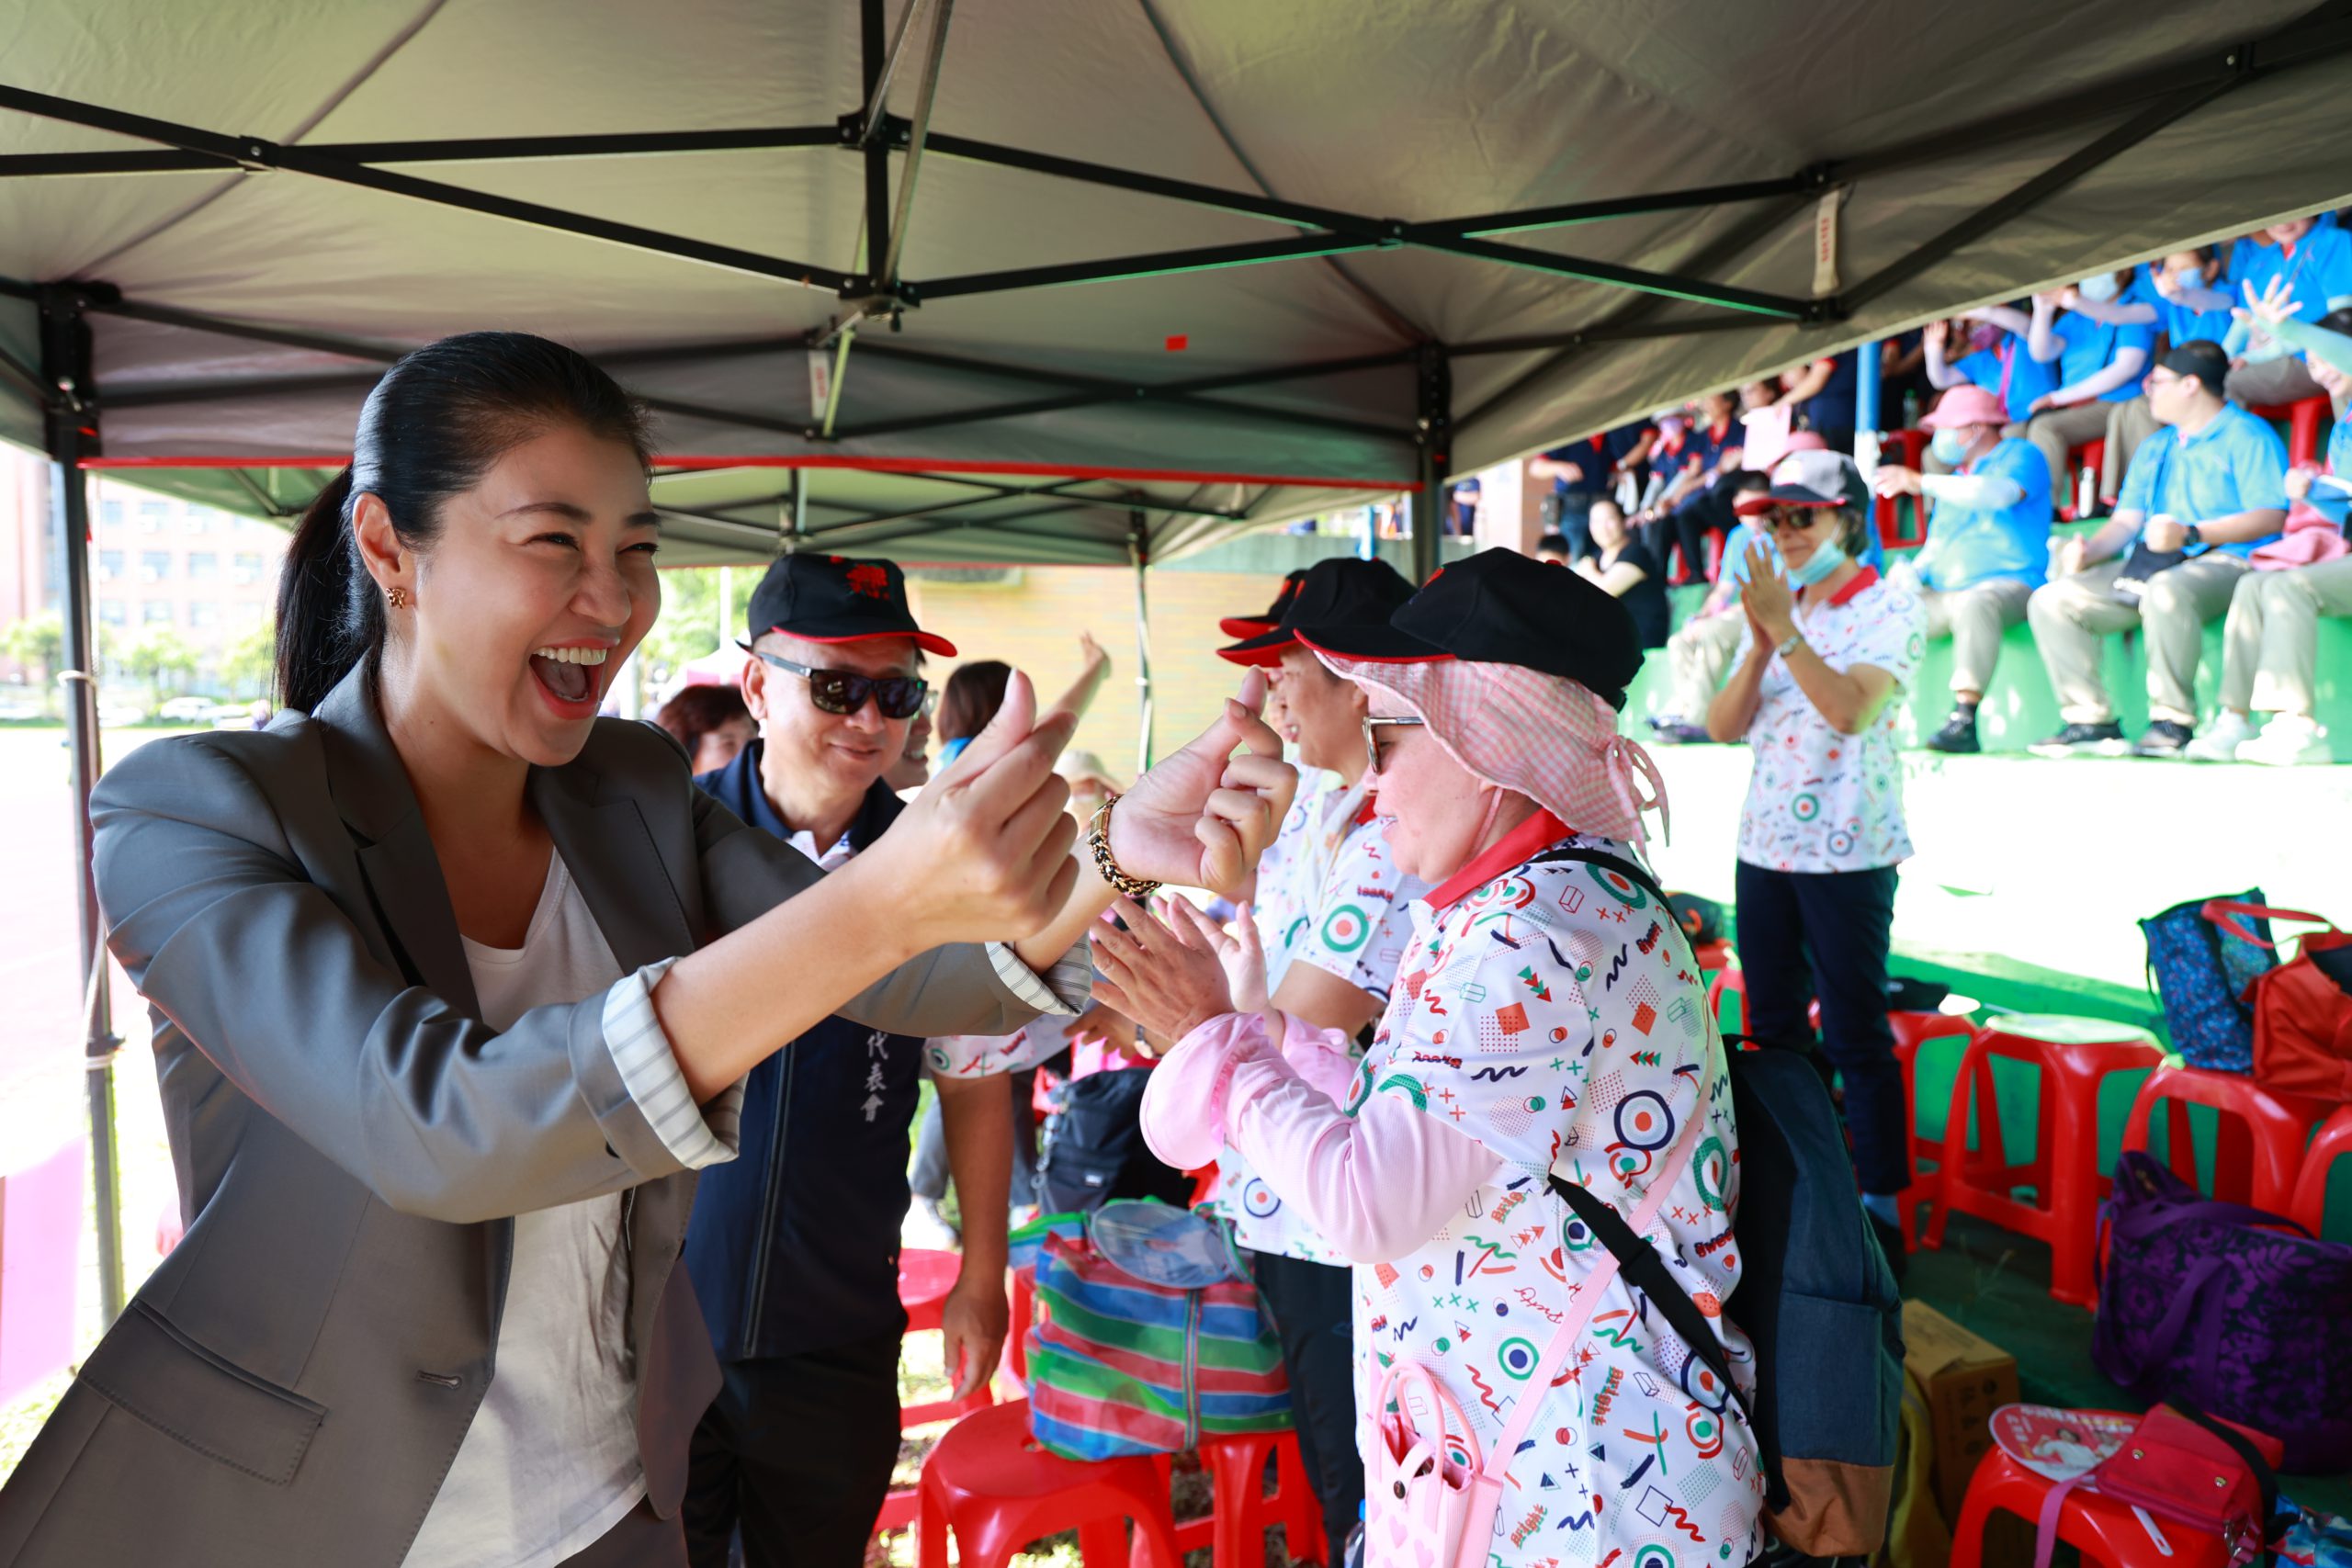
[(2099, 289)]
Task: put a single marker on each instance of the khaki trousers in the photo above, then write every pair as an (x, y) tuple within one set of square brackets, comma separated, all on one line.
[(2128, 424), (1698, 655), (1975, 618), (2270, 642), (2271, 382), (2058, 432), (2073, 614)]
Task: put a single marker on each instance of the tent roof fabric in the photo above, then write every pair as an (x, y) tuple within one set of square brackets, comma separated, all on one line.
[(1980, 150)]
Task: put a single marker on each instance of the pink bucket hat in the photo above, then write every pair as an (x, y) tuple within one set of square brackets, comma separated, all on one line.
[(1967, 404), (1519, 669)]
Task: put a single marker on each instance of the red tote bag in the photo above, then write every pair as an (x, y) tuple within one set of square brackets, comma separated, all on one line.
[(2302, 1010)]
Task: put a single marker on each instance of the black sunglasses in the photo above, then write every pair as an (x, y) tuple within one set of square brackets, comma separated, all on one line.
[(846, 691)]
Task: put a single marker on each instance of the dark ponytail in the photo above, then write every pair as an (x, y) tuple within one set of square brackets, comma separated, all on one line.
[(430, 429)]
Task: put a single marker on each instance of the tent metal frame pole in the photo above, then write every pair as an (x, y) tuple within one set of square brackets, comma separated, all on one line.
[(2059, 175), (467, 149), (73, 434), (1140, 553), (258, 152), (1380, 235), (1433, 425), (873, 62), (1191, 392)]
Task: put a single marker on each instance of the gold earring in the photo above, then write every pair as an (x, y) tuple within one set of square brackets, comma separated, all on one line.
[(397, 598)]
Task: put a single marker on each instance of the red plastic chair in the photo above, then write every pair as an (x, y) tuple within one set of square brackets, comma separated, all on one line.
[(1714, 957), (1728, 982), (2074, 1056), (1240, 1508), (989, 1482), (1911, 1030), (2258, 1147), (1909, 447), (2308, 1208), (2306, 420), (2105, 1532)]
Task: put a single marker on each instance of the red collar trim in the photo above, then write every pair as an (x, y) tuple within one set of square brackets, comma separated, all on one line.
[(1862, 580), (1515, 848)]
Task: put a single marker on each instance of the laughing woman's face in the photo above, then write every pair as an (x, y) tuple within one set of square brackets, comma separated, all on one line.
[(536, 589)]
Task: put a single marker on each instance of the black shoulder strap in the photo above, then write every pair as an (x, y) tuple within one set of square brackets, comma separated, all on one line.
[(1637, 1260), (1639, 1263)]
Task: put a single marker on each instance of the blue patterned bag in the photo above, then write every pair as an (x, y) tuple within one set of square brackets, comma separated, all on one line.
[(2200, 970)]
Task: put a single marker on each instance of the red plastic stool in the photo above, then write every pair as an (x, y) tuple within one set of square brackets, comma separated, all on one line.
[(2257, 1148), (1714, 957), (990, 1483), (2105, 1532), (925, 1278), (1735, 983), (2309, 1206), (1911, 1030), (2074, 1054), (1241, 1511)]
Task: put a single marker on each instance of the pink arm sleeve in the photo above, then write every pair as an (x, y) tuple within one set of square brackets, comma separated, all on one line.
[(1320, 1057), (1375, 1185)]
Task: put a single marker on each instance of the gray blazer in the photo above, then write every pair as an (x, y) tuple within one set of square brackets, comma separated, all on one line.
[(292, 1383)]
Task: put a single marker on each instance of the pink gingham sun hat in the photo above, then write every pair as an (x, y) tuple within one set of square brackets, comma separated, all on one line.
[(1519, 667)]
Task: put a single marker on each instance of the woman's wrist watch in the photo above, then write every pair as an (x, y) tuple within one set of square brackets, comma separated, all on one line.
[(1790, 644)]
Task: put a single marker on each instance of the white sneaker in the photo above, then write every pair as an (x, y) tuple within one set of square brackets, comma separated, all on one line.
[(925, 1227), (2289, 740), (2221, 743)]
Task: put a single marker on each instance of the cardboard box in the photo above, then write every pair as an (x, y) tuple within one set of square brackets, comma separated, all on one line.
[(1963, 1377)]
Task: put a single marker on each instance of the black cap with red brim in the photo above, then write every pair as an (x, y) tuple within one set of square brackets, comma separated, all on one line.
[(1257, 626), (838, 599), (1780, 496), (1334, 595), (1501, 607)]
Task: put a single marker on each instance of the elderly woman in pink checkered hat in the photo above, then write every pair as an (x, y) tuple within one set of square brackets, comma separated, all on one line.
[(1548, 1021)]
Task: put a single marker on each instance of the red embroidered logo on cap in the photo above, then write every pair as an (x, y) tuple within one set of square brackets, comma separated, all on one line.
[(872, 582)]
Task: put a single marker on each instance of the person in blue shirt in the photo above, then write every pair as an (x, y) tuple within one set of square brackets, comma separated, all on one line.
[(1988, 549), (2099, 365), (2315, 265), (1986, 348), (2269, 643), (2196, 502), (2180, 297)]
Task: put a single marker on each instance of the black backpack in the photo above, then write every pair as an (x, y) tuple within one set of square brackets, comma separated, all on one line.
[(1093, 1149), (1815, 1297)]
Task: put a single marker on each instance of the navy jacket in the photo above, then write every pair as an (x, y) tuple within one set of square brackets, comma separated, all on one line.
[(794, 1243)]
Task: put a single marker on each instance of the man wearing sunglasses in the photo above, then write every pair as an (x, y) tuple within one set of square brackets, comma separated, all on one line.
[(792, 1247)]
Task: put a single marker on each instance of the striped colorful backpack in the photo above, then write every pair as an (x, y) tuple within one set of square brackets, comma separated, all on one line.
[(1148, 1335)]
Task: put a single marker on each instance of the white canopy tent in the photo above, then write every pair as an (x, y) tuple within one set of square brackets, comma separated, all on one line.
[(1333, 249)]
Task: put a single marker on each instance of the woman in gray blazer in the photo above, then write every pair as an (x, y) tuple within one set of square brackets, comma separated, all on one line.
[(453, 984)]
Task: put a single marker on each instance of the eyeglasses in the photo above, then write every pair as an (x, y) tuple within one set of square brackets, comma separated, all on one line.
[(1370, 749), (846, 691), (1795, 519)]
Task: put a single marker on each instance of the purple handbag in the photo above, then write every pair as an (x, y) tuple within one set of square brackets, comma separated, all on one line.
[(2238, 1311)]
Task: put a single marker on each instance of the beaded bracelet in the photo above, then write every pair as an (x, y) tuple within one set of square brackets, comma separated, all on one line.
[(1097, 840)]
